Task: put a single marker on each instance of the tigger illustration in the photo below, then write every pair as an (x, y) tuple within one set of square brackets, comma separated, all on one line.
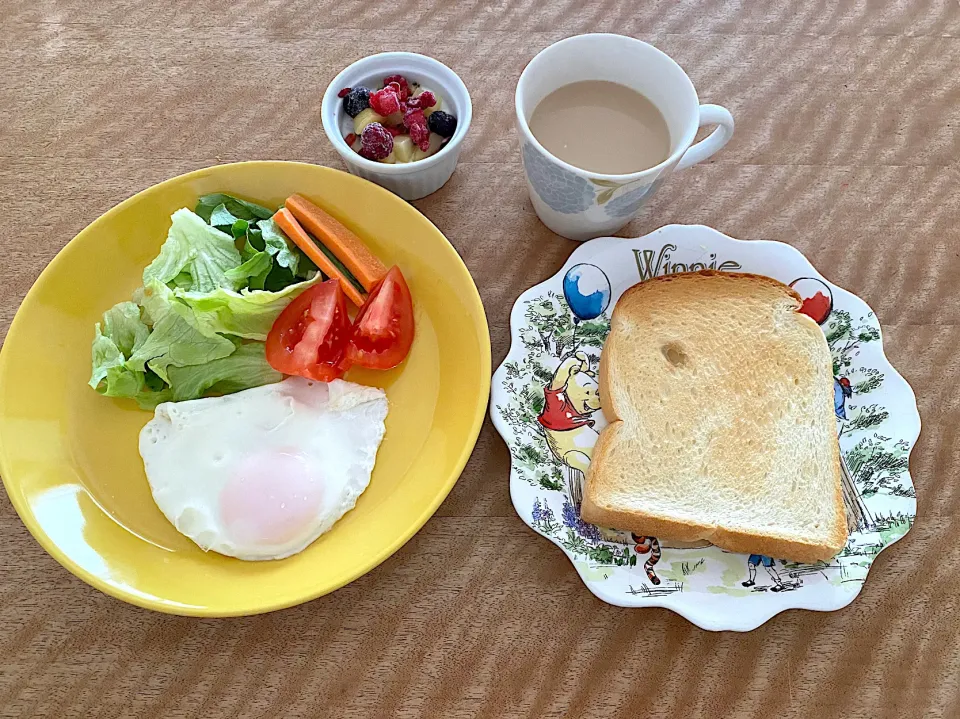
[(571, 397), (652, 545)]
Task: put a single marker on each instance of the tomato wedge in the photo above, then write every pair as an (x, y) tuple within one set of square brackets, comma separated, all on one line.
[(309, 337), (383, 329)]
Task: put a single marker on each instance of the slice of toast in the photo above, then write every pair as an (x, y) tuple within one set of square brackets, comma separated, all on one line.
[(719, 395)]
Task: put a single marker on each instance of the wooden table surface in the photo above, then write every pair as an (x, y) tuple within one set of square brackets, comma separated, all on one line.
[(847, 141)]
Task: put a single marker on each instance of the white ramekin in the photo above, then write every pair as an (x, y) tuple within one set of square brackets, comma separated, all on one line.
[(412, 180)]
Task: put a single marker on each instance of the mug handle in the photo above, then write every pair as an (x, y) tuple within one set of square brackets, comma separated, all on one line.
[(709, 115)]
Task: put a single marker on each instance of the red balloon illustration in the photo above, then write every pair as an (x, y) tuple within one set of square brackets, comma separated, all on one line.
[(817, 298)]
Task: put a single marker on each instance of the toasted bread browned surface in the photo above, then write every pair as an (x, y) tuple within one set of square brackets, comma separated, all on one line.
[(719, 395)]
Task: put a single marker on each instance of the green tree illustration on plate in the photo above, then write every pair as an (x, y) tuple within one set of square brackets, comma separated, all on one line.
[(877, 465), (557, 333), (846, 339), (549, 336)]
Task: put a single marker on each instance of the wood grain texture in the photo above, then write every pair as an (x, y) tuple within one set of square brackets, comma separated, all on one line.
[(847, 142)]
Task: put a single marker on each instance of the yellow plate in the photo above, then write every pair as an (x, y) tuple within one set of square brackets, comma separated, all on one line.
[(69, 456)]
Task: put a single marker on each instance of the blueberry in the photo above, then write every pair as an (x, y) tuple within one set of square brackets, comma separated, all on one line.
[(356, 101), (442, 123)]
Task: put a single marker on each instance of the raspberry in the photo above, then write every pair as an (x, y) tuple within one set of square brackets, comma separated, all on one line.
[(396, 130), (350, 139), (356, 101), (414, 117), (424, 100), (343, 93), (420, 134), (386, 101), (442, 123), (403, 88), (419, 131), (376, 142)]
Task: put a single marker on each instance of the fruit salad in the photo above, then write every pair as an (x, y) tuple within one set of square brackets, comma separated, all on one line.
[(397, 123)]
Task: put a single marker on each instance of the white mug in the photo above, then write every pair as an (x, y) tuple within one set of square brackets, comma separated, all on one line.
[(580, 204)]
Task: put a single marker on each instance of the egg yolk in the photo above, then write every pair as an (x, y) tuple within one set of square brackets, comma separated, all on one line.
[(272, 498)]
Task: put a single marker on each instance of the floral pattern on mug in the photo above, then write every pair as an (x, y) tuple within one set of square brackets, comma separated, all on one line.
[(562, 190), (628, 203)]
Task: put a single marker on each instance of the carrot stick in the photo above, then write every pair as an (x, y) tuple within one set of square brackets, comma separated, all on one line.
[(288, 223), (348, 248)]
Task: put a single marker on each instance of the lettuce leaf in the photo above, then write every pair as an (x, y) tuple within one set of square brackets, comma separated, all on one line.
[(123, 333), (122, 324), (198, 250), (240, 209), (106, 357), (245, 314), (222, 277), (154, 301), (222, 217), (276, 243), (258, 266), (176, 339), (247, 367), (110, 375)]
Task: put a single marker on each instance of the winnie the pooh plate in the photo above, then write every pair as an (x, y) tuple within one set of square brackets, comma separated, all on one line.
[(545, 404)]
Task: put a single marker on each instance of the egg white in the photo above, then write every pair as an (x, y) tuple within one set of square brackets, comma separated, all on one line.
[(191, 450)]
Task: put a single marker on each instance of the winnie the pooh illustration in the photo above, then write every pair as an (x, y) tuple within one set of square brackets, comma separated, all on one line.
[(571, 397)]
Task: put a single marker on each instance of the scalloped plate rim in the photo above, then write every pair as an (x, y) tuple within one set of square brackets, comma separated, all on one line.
[(704, 619)]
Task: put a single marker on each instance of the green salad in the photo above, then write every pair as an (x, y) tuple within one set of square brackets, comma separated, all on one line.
[(198, 323)]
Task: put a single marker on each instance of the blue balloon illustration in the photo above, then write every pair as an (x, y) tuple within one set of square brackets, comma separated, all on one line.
[(587, 291)]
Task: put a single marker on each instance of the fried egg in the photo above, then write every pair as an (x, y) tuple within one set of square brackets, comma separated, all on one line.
[(262, 473)]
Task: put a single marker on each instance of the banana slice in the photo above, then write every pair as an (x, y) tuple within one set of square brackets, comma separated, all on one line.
[(403, 148), (435, 142), (365, 118)]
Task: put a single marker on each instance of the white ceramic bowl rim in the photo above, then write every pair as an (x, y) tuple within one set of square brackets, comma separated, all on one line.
[(369, 63), (689, 134)]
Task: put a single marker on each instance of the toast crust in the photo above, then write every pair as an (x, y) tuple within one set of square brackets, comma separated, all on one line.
[(598, 508)]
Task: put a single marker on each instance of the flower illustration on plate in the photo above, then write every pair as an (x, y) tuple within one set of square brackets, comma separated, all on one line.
[(562, 190), (572, 519), (543, 517)]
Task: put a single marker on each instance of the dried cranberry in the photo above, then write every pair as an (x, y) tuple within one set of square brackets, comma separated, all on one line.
[(344, 92), (350, 139)]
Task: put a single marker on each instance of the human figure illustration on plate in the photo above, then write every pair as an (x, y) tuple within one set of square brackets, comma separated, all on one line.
[(817, 303)]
